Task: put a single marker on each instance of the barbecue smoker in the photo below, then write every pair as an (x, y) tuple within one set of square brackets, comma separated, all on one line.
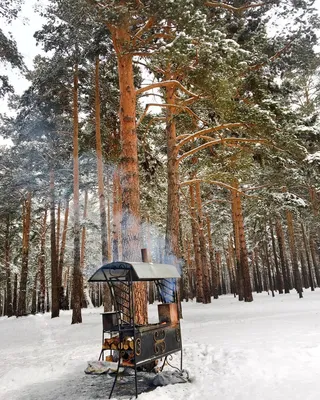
[(131, 344)]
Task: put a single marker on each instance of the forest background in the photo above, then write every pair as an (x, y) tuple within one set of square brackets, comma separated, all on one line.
[(221, 179)]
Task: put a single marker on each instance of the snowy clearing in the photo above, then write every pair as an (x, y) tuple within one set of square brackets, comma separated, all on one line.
[(266, 349)]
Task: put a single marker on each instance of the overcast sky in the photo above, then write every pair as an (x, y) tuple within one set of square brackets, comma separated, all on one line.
[(23, 29)]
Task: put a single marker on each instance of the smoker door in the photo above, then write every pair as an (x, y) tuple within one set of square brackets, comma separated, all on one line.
[(157, 342)]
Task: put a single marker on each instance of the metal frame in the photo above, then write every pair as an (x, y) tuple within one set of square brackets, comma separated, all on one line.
[(121, 289)]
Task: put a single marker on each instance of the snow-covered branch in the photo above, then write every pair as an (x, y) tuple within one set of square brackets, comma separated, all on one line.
[(219, 141), (247, 6)]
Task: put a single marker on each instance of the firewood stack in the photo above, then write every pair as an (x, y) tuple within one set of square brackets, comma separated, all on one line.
[(125, 349), (114, 343)]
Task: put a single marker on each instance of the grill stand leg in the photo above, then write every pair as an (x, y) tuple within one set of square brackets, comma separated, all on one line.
[(136, 379), (164, 363), (116, 378)]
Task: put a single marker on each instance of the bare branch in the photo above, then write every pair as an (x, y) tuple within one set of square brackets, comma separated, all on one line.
[(166, 105), (147, 108), (164, 84), (222, 184), (144, 28), (191, 100), (219, 141), (209, 130), (217, 183)]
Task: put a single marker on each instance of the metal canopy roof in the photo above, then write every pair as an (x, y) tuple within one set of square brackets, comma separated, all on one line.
[(140, 271)]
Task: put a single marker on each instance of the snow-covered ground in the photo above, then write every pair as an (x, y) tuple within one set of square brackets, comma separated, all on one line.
[(268, 349)]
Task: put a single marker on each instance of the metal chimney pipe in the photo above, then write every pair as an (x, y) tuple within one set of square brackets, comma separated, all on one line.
[(145, 256)]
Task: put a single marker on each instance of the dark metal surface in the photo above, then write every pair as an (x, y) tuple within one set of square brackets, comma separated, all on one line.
[(155, 342)]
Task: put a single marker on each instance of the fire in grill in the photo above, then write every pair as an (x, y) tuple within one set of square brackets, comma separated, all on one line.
[(134, 345)]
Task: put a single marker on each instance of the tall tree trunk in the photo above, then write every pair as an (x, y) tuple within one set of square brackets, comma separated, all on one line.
[(293, 252), (85, 296), (232, 261), (102, 202), (48, 297), (3, 305), (230, 269), (60, 288), (7, 249), (116, 213), (307, 252), (34, 295), (202, 242), (109, 222), (247, 290), (129, 162), (279, 279), (218, 266), (189, 267), (267, 260), (258, 272), (67, 285), (172, 249), (304, 272), (196, 246), (83, 231), (283, 257), (54, 260), (22, 302), (15, 294), (58, 233), (255, 286), (41, 263), (62, 299), (314, 260), (151, 285), (172, 239), (77, 273), (214, 272), (235, 220)]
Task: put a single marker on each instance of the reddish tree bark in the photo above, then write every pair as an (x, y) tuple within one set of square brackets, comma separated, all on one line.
[(77, 274)]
